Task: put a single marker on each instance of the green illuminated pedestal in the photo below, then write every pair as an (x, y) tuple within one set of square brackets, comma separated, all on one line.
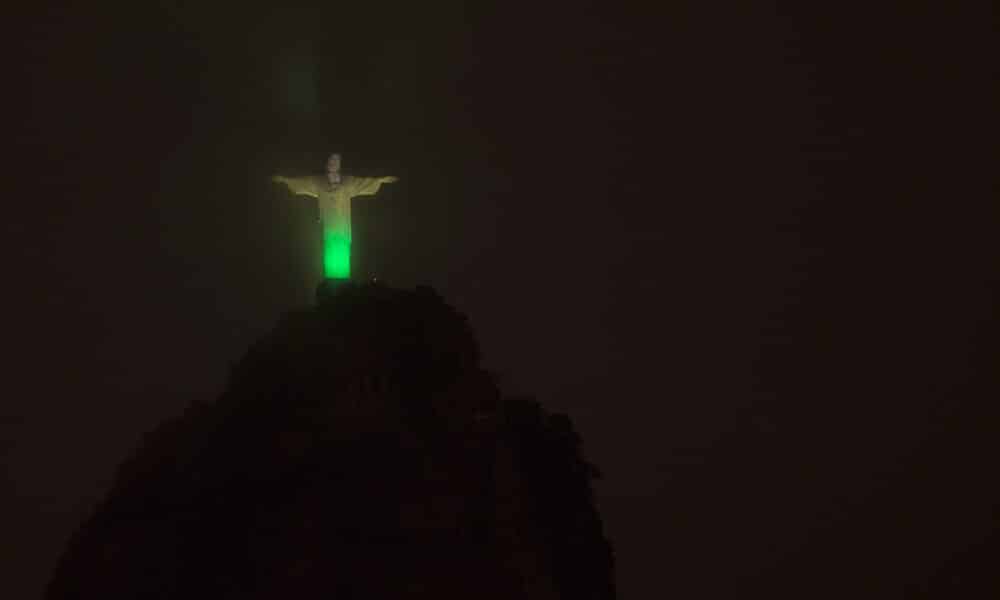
[(336, 254)]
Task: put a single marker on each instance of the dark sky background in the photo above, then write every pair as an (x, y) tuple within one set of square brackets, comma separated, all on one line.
[(748, 250)]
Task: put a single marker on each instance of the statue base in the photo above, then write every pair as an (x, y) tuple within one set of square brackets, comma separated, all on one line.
[(332, 286)]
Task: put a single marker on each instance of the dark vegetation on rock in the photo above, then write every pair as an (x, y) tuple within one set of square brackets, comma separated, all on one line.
[(359, 451)]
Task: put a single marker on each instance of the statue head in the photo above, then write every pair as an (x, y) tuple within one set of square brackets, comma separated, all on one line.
[(333, 168), (333, 164)]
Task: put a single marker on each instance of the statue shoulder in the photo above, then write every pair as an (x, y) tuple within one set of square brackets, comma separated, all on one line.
[(306, 186), (354, 182)]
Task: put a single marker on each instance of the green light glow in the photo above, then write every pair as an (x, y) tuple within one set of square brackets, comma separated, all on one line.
[(336, 254)]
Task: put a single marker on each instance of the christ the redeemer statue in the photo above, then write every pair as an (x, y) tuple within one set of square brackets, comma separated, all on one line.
[(334, 193)]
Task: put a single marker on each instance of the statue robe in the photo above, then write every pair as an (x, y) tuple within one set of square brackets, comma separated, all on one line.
[(334, 201)]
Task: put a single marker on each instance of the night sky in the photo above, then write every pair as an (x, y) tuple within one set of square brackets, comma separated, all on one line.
[(748, 250)]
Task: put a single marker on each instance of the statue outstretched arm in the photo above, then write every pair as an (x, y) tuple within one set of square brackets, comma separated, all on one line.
[(301, 186), (365, 186)]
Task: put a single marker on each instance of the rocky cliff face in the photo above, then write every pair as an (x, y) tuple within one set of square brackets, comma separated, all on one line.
[(358, 451)]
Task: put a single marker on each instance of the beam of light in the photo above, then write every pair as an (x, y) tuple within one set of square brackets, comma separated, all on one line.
[(297, 84), (336, 254)]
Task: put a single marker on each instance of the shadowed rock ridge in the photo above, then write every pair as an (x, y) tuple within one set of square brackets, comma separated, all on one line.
[(359, 451)]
